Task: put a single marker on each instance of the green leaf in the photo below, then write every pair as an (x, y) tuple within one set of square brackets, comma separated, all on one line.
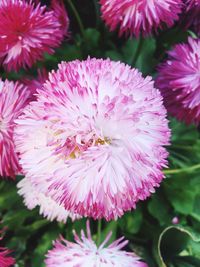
[(182, 193), (146, 60), (114, 55), (159, 209), (92, 37), (131, 222)]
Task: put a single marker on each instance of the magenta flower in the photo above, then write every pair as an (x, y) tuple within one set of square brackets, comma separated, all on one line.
[(191, 16), (5, 259), (27, 31), (61, 14), (85, 253), (134, 17), (36, 83), (48, 207), (94, 139), (175, 220), (13, 98), (179, 81), (191, 4)]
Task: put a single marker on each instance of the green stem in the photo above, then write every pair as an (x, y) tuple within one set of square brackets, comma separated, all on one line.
[(99, 232), (97, 12), (138, 51), (188, 169), (77, 17)]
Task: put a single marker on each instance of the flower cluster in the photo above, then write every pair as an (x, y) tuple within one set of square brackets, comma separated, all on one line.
[(90, 138)]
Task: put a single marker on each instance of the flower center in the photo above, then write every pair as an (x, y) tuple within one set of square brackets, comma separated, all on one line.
[(72, 149), (79, 149), (104, 141)]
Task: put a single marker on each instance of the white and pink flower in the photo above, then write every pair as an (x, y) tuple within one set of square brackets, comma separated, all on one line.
[(134, 17), (85, 253), (13, 98), (94, 139)]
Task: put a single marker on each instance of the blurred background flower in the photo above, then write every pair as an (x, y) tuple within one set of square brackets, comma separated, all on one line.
[(134, 17), (5, 259), (84, 252), (191, 15), (13, 98), (179, 81), (29, 30)]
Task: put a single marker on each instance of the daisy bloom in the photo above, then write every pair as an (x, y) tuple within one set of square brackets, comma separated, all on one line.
[(61, 14), (94, 138), (192, 3), (27, 31), (13, 98), (179, 81), (35, 83), (5, 259), (191, 16), (48, 207), (134, 17), (85, 253)]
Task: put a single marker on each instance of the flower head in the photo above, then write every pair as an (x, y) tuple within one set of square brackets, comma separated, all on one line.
[(61, 14), (179, 81), (134, 17), (94, 138), (191, 15), (48, 207), (27, 31), (13, 98), (36, 83), (192, 3), (5, 259), (85, 253)]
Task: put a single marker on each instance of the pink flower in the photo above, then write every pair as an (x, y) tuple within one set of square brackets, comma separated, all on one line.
[(191, 16), (94, 139), (85, 253), (13, 98), (36, 83), (179, 81), (61, 15), (133, 17), (192, 3), (48, 207), (5, 259), (27, 31), (175, 220)]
